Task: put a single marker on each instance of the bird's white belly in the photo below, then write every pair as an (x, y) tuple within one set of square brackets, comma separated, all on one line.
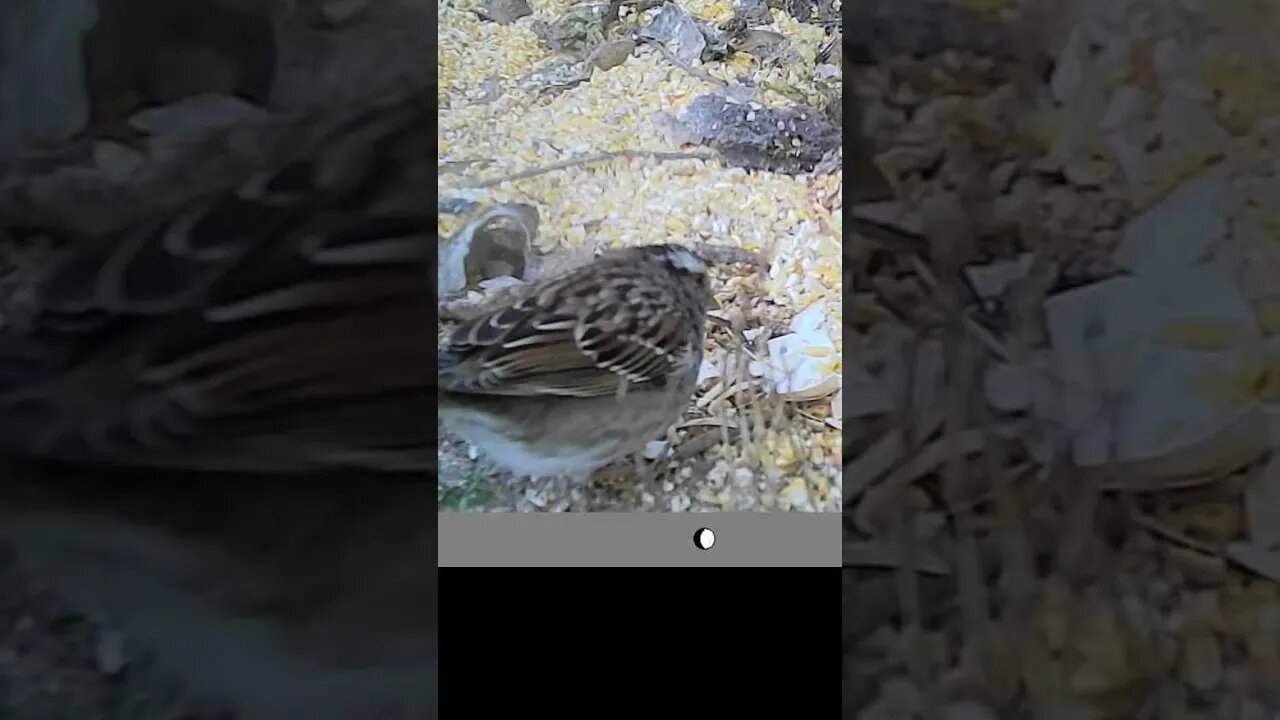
[(525, 458)]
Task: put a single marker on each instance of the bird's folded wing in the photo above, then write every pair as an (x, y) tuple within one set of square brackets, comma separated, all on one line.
[(574, 338), (279, 308)]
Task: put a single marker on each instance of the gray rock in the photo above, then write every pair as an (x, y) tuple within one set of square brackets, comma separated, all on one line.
[(752, 12), (678, 31), (784, 140), (505, 12)]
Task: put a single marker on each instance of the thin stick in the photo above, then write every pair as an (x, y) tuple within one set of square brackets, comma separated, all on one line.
[(588, 160), (700, 74)]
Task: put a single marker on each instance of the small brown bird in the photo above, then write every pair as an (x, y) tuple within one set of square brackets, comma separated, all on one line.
[(583, 368)]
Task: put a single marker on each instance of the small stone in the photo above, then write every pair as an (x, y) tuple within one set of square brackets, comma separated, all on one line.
[(505, 12)]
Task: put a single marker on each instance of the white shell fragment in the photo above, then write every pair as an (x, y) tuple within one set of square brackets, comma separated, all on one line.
[(708, 370), (1180, 230), (802, 365), (1149, 369), (656, 449)]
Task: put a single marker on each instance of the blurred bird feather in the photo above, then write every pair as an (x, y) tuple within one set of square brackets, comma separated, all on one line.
[(213, 418)]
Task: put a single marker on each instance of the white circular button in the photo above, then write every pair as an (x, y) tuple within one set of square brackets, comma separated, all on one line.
[(704, 538)]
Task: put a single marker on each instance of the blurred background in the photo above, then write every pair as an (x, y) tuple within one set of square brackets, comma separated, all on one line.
[(178, 594)]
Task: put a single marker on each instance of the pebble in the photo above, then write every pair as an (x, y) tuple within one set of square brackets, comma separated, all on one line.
[(505, 12)]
